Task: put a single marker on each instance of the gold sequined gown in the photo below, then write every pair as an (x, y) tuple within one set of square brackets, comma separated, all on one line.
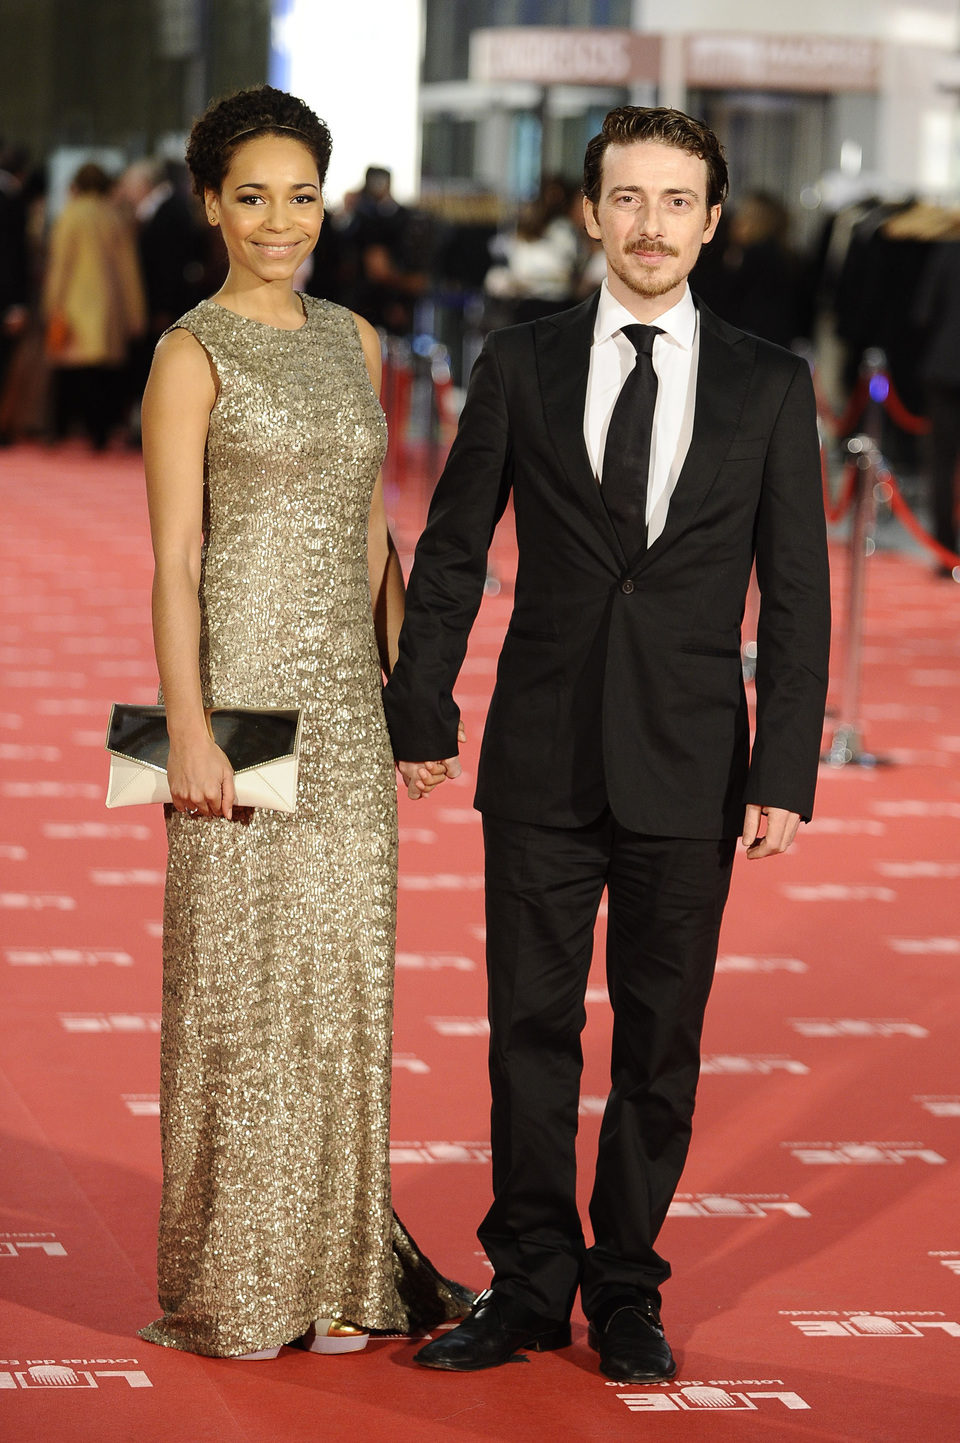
[(278, 941)]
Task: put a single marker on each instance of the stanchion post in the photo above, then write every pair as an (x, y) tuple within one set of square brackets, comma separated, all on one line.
[(874, 368), (846, 747)]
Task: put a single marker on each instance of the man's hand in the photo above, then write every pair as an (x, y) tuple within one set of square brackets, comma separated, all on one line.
[(779, 832), (420, 778)]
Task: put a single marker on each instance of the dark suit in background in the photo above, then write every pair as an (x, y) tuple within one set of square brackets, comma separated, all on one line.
[(616, 753)]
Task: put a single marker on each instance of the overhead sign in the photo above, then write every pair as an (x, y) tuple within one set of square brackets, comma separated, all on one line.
[(731, 61), (570, 56), (722, 60)]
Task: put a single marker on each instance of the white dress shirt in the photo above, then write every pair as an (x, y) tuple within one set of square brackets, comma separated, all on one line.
[(675, 357)]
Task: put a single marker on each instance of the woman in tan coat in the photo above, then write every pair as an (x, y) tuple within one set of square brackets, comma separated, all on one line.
[(94, 305)]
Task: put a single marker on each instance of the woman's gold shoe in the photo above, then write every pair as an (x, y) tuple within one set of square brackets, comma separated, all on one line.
[(333, 1335)]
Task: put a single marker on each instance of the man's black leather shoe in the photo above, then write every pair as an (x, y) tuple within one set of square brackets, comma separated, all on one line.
[(492, 1334), (632, 1345)]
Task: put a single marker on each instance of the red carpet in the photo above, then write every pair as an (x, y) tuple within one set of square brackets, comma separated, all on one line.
[(816, 1243)]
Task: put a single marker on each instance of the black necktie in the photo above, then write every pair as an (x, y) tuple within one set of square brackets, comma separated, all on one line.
[(626, 453)]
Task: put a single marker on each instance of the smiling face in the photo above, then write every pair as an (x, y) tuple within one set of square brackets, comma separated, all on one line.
[(652, 218), (269, 208)]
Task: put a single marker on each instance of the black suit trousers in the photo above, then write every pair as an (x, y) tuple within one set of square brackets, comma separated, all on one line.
[(665, 902)]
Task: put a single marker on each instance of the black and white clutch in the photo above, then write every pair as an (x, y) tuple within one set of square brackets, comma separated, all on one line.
[(261, 743)]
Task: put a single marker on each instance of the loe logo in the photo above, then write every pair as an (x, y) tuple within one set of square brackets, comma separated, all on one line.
[(873, 1325), (940, 1106), (131, 877), (37, 902), (433, 1152), (735, 962), (434, 962), (734, 1205), (856, 1027), (70, 1373), (110, 1021), (764, 1066), (726, 1397), (838, 892), (142, 1104), (815, 1154), (925, 946), (20, 1245), (440, 882), (460, 1026), (96, 831), (65, 957), (408, 1062)]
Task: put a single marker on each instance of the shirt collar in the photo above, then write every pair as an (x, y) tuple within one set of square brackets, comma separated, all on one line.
[(679, 323)]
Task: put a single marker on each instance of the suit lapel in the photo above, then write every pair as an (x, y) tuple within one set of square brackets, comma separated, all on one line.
[(563, 345), (723, 374)]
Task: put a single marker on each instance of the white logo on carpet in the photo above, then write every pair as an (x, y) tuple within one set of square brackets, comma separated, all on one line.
[(37, 902), (865, 1154), (70, 1373), (713, 1397), (110, 1021), (850, 1324), (18, 1245), (434, 962), (734, 962), (856, 1027), (723, 1066), (433, 1152), (141, 1104), (925, 946), (734, 1205), (940, 1106), (460, 1026), (839, 892), (65, 957)]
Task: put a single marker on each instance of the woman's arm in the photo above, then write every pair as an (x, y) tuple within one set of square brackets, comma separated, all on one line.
[(177, 402), (386, 576), (386, 582)]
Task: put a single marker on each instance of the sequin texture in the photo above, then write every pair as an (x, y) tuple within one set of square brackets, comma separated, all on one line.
[(278, 937)]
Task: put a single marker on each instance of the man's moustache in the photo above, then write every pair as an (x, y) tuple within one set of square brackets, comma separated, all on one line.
[(653, 250)]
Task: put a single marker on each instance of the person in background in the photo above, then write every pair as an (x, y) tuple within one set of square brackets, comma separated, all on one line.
[(760, 284), (938, 317), (385, 274), (14, 266), (94, 306)]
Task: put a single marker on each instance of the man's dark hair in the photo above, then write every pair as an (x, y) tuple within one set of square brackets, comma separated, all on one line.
[(669, 127), (227, 124)]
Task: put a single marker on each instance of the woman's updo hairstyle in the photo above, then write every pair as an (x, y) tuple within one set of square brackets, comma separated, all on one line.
[(227, 124)]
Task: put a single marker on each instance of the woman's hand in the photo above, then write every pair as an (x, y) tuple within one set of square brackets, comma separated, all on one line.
[(201, 780)]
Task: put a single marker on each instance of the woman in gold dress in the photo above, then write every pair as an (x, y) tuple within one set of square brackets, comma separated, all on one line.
[(276, 584)]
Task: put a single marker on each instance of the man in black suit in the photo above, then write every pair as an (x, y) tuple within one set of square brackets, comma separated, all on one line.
[(653, 451)]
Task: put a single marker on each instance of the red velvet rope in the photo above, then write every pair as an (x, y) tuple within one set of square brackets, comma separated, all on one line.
[(836, 511), (842, 425), (900, 416), (907, 519)]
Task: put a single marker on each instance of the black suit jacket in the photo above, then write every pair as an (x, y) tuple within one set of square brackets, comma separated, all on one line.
[(620, 678)]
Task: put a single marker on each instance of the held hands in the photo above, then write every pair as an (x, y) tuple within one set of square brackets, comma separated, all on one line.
[(201, 781), (781, 828), (420, 778)]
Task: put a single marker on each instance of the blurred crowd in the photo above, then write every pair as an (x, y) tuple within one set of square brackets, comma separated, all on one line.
[(86, 292)]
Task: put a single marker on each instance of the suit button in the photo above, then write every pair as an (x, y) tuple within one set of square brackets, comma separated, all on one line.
[(627, 587)]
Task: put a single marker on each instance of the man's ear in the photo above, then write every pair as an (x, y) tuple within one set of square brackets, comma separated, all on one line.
[(713, 217), (590, 219)]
